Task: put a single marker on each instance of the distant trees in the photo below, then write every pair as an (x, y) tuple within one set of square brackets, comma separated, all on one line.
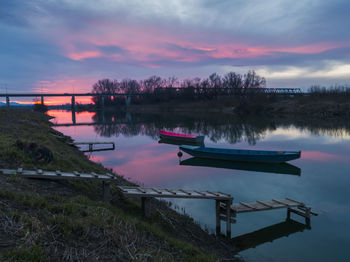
[(156, 89)]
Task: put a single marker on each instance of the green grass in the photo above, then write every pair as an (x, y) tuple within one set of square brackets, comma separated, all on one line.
[(76, 217)]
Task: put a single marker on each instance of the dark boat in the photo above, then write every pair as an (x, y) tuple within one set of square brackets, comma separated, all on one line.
[(277, 168), (180, 137), (261, 156)]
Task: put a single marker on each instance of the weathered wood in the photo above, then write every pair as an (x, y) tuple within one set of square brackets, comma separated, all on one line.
[(54, 174), (147, 193), (228, 217), (247, 205), (184, 191), (167, 193), (91, 146), (156, 190), (217, 215), (264, 204), (288, 203)]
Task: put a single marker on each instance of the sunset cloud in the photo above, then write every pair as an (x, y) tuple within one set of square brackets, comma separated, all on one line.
[(282, 40)]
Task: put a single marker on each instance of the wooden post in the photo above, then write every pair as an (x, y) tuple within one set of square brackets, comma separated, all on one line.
[(228, 217), (288, 214), (146, 206), (90, 147), (8, 101), (42, 100), (307, 217), (217, 214), (106, 191)]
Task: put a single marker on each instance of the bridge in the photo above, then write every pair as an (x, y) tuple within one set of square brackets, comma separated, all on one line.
[(101, 96)]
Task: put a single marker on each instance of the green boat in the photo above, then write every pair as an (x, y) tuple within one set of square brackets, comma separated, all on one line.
[(277, 168), (261, 156)]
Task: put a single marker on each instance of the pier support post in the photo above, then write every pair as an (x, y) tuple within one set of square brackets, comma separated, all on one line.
[(217, 215), (42, 100), (228, 217), (106, 191), (288, 214), (307, 217), (8, 101), (146, 206)]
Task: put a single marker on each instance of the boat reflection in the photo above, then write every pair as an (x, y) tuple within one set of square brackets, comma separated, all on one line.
[(281, 168), (267, 234), (179, 143)]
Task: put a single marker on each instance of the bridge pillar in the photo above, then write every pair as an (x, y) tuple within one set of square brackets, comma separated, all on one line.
[(8, 101), (73, 103), (42, 100), (73, 117)]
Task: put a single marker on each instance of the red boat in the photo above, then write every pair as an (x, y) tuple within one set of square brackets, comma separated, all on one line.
[(180, 137)]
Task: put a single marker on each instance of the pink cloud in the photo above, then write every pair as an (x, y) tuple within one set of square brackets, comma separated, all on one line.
[(146, 44)]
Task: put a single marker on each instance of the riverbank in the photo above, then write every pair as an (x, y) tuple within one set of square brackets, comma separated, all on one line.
[(298, 105), (42, 220)]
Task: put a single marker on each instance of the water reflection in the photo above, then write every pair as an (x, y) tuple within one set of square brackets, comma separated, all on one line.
[(282, 168), (324, 185), (267, 234), (216, 127), (179, 143)]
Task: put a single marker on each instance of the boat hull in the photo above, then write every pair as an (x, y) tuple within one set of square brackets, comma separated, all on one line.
[(277, 168), (181, 137), (241, 155)]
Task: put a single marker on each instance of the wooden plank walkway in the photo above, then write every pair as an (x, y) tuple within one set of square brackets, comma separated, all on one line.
[(147, 193), (291, 205), (243, 207), (91, 146), (170, 193), (39, 173)]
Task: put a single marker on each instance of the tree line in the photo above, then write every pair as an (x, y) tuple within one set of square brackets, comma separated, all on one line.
[(156, 89)]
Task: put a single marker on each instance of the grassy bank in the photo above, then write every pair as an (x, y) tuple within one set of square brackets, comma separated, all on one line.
[(42, 220)]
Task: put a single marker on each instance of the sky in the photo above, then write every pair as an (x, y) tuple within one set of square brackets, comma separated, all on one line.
[(68, 45)]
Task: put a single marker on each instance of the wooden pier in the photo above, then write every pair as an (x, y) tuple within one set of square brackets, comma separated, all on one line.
[(222, 201), (147, 193), (91, 146), (39, 173), (291, 205)]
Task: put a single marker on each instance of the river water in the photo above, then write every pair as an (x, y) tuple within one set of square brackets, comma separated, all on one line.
[(320, 178)]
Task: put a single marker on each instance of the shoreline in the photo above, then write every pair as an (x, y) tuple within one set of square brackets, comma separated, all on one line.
[(53, 220)]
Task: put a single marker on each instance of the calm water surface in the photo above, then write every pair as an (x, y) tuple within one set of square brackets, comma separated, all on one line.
[(320, 178)]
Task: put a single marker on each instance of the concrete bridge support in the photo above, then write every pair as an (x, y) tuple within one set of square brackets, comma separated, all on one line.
[(42, 100), (8, 101), (73, 103)]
